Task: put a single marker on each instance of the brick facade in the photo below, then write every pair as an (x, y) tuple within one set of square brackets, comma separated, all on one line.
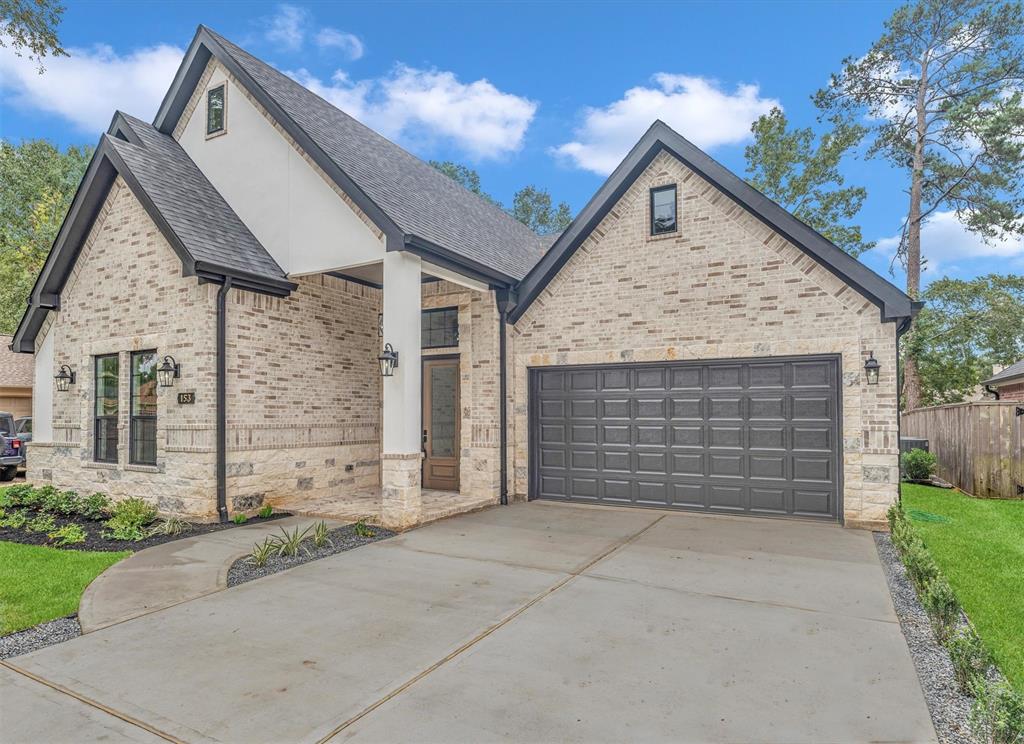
[(723, 286), (1012, 391)]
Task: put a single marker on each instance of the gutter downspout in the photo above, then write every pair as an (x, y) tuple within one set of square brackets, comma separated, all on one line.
[(222, 484), (506, 301), (990, 389), (900, 330)]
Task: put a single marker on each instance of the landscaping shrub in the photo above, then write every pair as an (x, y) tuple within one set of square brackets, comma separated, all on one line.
[(289, 543), (262, 552), (895, 514), (28, 497), (997, 716), (266, 511), (239, 519), (171, 526), (921, 567), (971, 660), (65, 503), (15, 495), (95, 507), (42, 523), (321, 535), (15, 519), (128, 519), (69, 534), (362, 530), (918, 464), (940, 603)]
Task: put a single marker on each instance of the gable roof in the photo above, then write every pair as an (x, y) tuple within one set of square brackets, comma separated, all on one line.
[(1013, 371), (209, 238), (16, 370), (418, 207), (894, 304)]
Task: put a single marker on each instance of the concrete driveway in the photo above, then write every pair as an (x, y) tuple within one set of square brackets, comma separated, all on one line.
[(536, 622)]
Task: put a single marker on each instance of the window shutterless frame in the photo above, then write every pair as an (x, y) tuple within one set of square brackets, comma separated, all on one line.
[(142, 424), (105, 407), (439, 328), (663, 210), (217, 110)]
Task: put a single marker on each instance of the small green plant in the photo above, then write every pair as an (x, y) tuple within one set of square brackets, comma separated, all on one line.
[(921, 567), (322, 535), (128, 520), (266, 511), (940, 603), (362, 530), (94, 507), (33, 498), (64, 503), (172, 526), (289, 543), (971, 660), (918, 464), (42, 523), (262, 552), (239, 519), (894, 515), (997, 716), (15, 495), (15, 519), (69, 534)]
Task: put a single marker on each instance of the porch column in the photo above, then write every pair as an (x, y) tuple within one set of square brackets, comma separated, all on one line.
[(402, 436)]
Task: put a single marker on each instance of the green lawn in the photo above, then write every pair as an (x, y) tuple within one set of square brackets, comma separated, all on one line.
[(39, 583), (979, 545)]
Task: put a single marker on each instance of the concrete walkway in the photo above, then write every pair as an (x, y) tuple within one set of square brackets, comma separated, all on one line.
[(174, 572), (534, 622)]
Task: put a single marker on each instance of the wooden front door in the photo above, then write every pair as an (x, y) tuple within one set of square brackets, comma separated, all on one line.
[(441, 440)]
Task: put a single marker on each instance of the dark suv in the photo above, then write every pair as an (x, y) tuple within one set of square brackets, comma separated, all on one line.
[(12, 448)]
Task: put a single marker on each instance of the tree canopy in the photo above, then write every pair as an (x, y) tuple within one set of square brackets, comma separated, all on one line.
[(29, 27)]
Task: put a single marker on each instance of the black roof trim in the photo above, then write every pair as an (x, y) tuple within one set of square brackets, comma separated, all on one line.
[(203, 46), (894, 304), (447, 259), (1012, 372)]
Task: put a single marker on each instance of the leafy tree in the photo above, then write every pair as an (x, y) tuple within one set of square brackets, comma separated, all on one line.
[(465, 176), (942, 90), (965, 328), (787, 166), (37, 183), (31, 26), (533, 207)]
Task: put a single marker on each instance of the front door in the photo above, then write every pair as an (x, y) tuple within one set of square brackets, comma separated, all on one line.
[(441, 424)]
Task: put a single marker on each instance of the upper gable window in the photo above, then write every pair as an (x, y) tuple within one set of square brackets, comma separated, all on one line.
[(663, 210), (215, 103)]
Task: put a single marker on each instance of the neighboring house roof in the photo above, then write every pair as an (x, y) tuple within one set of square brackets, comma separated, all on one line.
[(209, 238), (418, 207), (894, 304), (16, 370), (1010, 373)]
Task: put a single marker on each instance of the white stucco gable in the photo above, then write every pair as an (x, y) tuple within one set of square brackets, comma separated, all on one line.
[(305, 223)]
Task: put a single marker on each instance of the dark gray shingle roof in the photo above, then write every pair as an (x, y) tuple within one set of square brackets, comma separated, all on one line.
[(1014, 370), (207, 227), (413, 194)]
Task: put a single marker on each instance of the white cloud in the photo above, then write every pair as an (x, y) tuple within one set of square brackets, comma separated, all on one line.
[(695, 107), (951, 249), (424, 105), (287, 27), (87, 87), (349, 44)]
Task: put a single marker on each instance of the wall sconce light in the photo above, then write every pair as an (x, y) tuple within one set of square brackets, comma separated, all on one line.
[(388, 361), (168, 371), (871, 367), (65, 378)]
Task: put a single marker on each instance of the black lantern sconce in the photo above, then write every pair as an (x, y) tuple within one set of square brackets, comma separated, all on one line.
[(168, 371), (65, 378), (871, 367), (388, 361)]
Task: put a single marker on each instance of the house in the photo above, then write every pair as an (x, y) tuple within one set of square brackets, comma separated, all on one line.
[(16, 374), (1007, 383), (337, 328)]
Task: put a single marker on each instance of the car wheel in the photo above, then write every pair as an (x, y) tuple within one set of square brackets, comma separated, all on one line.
[(8, 473)]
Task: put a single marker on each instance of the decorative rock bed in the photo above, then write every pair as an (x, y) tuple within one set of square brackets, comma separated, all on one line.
[(42, 635), (341, 539)]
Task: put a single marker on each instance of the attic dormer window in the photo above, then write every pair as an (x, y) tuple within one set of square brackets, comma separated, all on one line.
[(215, 102)]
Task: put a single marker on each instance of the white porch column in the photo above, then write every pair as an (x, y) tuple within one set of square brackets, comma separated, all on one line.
[(402, 436)]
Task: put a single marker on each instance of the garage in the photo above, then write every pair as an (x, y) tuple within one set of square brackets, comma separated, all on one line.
[(740, 436)]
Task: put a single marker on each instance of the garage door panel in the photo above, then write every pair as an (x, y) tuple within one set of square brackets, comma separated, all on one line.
[(755, 437)]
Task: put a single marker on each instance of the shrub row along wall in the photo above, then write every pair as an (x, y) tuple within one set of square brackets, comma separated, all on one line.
[(980, 446)]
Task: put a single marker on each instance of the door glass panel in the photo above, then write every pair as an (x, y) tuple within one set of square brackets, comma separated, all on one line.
[(443, 387)]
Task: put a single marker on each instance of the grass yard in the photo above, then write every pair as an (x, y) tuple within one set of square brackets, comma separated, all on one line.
[(979, 545), (39, 583)]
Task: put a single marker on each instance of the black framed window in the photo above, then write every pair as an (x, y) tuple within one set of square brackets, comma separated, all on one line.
[(106, 408), (142, 430), (663, 210), (440, 328), (215, 104)]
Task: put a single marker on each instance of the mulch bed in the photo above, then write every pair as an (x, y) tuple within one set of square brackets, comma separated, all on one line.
[(342, 539), (95, 540)]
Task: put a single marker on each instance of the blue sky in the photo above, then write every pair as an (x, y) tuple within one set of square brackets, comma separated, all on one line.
[(541, 93)]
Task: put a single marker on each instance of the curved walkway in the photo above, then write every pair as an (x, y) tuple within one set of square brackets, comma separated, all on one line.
[(173, 572)]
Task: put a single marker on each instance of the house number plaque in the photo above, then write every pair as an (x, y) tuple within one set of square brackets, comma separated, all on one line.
[(186, 399)]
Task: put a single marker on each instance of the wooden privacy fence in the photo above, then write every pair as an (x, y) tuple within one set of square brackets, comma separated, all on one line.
[(978, 445)]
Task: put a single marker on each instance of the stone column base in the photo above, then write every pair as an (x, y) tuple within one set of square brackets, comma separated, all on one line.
[(402, 500)]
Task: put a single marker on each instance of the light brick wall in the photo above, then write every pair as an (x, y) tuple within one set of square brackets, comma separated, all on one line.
[(723, 286), (1013, 392)]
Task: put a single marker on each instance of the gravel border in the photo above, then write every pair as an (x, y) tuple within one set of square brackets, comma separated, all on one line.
[(343, 538), (950, 709), (39, 636)]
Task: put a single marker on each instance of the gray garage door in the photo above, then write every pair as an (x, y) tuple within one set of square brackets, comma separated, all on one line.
[(755, 437)]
